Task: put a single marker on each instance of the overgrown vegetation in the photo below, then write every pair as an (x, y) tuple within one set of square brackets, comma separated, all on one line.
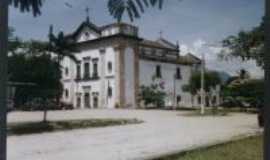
[(247, 93), (247, 149), (51, 126)]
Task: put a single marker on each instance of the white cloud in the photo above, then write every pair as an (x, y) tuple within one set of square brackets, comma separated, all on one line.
[(198, 44), (214, 63)]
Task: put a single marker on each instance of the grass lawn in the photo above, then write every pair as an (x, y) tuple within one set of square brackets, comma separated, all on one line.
[(51, 126), (246, 149)]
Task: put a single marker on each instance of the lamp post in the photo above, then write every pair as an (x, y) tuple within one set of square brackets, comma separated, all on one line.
[(174, 92), (202, 91)]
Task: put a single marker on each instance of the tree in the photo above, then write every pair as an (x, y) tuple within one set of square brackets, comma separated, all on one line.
[(212, 79), (244, 92), (24, 5), (28, 5), (61, 46), (152, 95), (248, 45), (134, 8), (43, 72), (255, 45)]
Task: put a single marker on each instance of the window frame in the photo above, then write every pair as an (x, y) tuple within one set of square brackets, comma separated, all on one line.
[(158, 71)]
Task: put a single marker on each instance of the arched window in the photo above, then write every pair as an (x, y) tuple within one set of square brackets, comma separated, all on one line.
[(66, 71)]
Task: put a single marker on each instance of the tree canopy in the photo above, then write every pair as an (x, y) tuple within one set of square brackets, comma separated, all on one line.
[(134, 8), (211, 80), (28, 5), (248, 45), (59, 45)]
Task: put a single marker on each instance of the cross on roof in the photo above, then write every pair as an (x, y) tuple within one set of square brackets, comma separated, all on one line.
[(87, 11), (161, 34)]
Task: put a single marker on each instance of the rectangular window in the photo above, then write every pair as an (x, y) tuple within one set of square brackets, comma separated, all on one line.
[(158, 71), (66, 93), (178, 73), (109, 67), (95, 70), (78, 71), (110, 91), (95, 102), (86, 70)]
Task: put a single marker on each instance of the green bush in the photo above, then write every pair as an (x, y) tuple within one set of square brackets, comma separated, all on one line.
[(152, 95)]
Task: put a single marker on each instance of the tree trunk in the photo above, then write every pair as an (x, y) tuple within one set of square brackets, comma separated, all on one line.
[(267, 83), (3, 77), (192, 100), (45, 115), (45, 110)]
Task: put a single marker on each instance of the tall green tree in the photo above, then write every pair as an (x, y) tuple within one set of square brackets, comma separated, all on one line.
[(25, 6), (255, 45), (61, 46), (247, 45)]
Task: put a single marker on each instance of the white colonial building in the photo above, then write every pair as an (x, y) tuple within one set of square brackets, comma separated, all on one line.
[(114, 61)]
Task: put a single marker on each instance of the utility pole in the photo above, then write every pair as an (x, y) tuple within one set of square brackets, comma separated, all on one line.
[(174, 92), (202, 92), (3, 77)]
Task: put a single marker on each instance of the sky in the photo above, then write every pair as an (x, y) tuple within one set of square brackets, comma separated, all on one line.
[(194, 23)]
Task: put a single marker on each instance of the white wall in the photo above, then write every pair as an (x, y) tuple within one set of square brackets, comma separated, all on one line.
[(168, 70), (77, 87), (91, 35), (110, 31)]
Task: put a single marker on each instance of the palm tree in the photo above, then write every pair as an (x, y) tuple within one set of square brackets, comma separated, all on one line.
[(25, 6), (134, 8), (61, 47)]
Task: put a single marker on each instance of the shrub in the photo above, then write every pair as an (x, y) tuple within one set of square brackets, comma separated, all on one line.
[(152, 95)]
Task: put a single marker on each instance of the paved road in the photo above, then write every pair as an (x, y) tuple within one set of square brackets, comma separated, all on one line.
[(162, 133)]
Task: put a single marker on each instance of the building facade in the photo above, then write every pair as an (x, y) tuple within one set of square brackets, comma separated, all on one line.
[(114, 61)]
